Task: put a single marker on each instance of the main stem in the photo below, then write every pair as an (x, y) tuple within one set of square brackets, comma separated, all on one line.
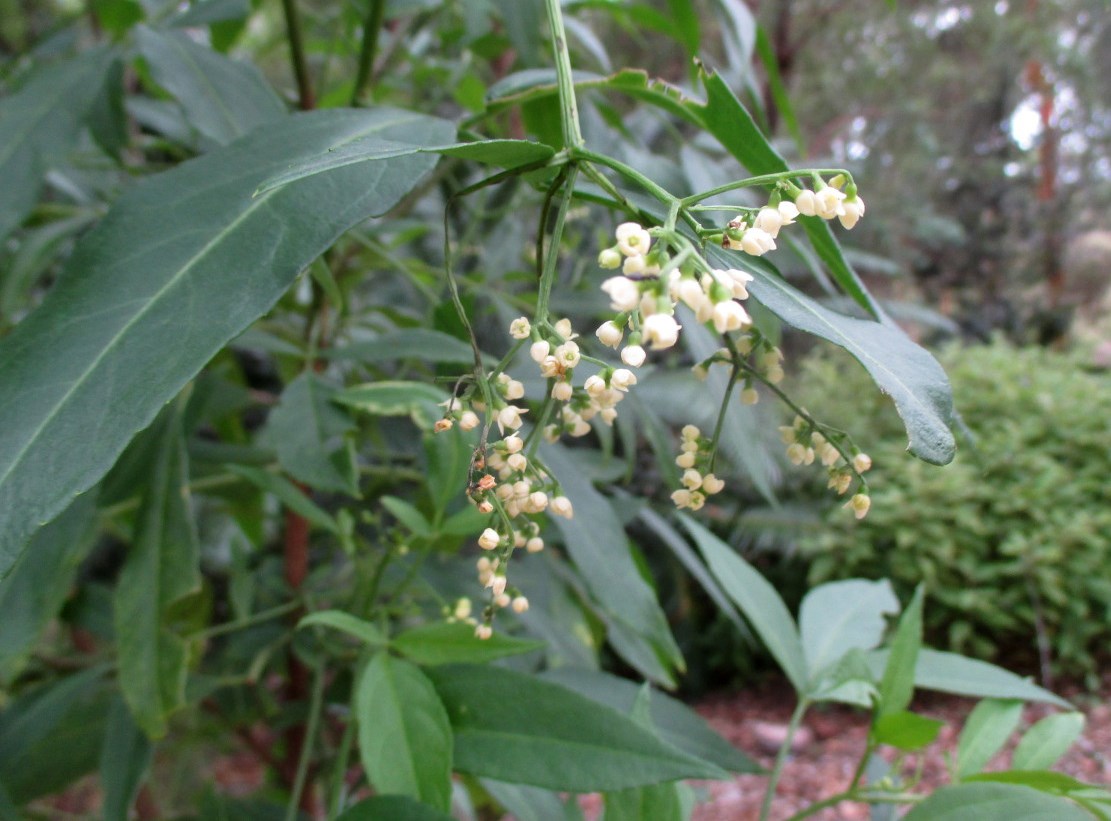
[(306, 99), (569, 110), (372, 27), (781, 758)]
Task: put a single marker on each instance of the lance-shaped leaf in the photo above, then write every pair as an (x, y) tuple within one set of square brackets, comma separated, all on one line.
[(902, 369), (183, 263), (160, 571), (222, 99), (39, 125)]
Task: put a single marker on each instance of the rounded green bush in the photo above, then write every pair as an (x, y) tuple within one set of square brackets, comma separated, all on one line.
[(1013, 539)]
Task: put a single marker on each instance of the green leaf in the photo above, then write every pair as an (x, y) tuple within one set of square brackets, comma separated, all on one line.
[(687, 29), (840, 616), (1044, 780), (308, 433), (902, 369), (395, 398), (448, 459), (39, 125), (410, 343), (408, 515), (160, 571), (994, 802), (906, 730), (404, 736), (1047, 741), (501, 153), (222, 99), (596, 543), (769, 60), (391, 808), (124, 760), (659, 802), (451, 643), (517, 728), (757, 600), (345, 623), (53, 734), (953, 673), (40, 581), (525, 803), (183, 262), (897, 684), (205, 12), (289, 494), (673, 721), (987, 729), (729, 121)]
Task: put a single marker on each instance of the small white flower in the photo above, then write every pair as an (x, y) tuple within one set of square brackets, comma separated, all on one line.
[(686, 459), (840, 480), (692, 479), (517, 462), (749, 396), (854, 210), (623, 293), (690, 293), (774, 374), (681, 498), (513, 443), (483, 631), (769, 219), (830, 202), (738, 282), (595, 386), (859, 504), (496, 585), (514, 389), (469, 420), (520, 604), (538, 500), (730, 316), (568, 354), (561, 506), (489, 539), (520, 328), (697, 500), (661, 331), (787, 212), (635, 266), (510, 417), (757, 242), (632, 239), (462, 608), (539, 351), (862, 462), (442, 425), (609, 334), (807, 203), (633, 356), (564, 329), (690, 433), (502, 600), (796, 453), (610, 258), (534, 545), (607, 415), (622, 379), (711, 484), (562, 391)]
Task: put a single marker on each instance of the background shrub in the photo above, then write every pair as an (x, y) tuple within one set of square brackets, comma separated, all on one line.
[(1013, 540)]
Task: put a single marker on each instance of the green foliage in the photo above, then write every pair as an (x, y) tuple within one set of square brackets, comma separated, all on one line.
[(1010, 541)]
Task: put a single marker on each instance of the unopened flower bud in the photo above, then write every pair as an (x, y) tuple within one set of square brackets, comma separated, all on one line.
[(561, 506), (538, 500), (622, 379), (520, 604), (862, 462), (510, 417), (757, 242), (661, 331), (859, 504), (496, 585), (489, 539), (854, 210), (609, 334), (502, 600), (469, 420), (564, 329), (610, 258), (517, 462), (442, 425), (513, 443), (483, 631), (539, 350), (685, 460), (624, 294), (633, 356), (562, 391), (749, 396), (711, 484), (534, 545)]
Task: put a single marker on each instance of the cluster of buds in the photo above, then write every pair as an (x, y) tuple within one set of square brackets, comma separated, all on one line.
[(807, 445), (763, 359), (828, 201), (694, 459)]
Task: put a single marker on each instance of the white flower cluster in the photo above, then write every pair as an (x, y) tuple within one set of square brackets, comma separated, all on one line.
[(806, 445), (694, 458)]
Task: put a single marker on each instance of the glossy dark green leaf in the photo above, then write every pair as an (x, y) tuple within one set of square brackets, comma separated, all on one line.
[(222, 99), (444, 643), (39, 125), (396, 398), (994, 802), (309, 434), (345, 623), (53, 734), (404, 737), (124, 760), (953, 673), (33, 593), (161, 569), (409, 343), (500, 153), (517, 728), (897, 685), (596, 543), (902, 369), (840, 616), (183, 263), (1048, 740), (757, 600), (905, 730), (672, 720), (391, 808), (986, 730)]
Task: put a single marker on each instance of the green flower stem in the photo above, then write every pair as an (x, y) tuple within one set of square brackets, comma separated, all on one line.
[(733, 377), (568, 106), (316, 706), (763, 179), (532, 441), (372, 28), (626, 171), (505, 360), (305, 97), (339, 771), (250, 621), (551, 260), (781, 758)]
